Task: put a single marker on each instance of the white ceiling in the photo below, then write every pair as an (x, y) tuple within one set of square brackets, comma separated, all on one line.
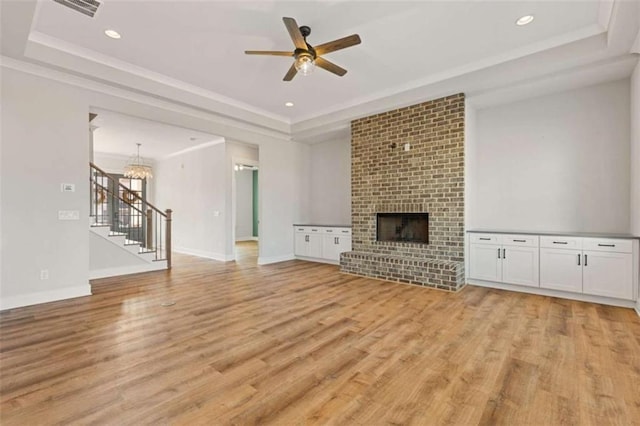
[(118, 134), (192, 52)]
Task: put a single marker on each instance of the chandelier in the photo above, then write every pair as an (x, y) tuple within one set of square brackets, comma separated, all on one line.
[(137, 169)]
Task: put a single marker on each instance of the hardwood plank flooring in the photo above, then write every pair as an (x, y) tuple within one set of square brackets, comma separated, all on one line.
[(300, 343)]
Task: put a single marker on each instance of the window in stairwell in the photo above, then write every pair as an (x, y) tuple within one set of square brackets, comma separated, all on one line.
[(129, 209)]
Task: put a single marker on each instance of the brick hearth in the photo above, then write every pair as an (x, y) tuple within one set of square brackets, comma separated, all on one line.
[(427, 178)]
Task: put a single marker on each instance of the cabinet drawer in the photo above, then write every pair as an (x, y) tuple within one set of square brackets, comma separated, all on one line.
[(520, 240), (605, 244), (485, 238), (560, 242), (309, 229), (337, 231)]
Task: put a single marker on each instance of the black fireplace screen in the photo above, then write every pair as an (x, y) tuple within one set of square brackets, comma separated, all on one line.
[(403, 227)]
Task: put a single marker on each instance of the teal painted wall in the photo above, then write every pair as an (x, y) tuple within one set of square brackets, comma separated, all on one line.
[(255, 203)]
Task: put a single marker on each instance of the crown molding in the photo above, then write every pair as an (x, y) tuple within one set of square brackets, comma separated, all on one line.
[(195, 148), (564, 39), (111, 64), (129, 95)]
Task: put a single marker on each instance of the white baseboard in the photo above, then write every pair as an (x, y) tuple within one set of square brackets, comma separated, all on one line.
[(44, 297), (202, 253), (275, 259), (240, 239), (555, 293), (637, 308), (126, 270)]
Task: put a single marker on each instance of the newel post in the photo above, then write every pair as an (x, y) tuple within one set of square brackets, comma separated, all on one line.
[(168, 234)]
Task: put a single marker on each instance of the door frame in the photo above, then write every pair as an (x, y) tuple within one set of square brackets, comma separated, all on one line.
[(248, 162)]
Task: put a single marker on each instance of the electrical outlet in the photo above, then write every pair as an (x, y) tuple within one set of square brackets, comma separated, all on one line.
[(44, 274)]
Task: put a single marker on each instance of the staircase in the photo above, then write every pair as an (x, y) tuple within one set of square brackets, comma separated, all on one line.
[(127, 233)]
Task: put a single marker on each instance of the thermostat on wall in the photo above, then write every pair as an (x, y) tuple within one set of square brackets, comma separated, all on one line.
[(68, 187)]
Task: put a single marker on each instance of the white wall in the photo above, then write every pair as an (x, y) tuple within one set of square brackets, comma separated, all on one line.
[(635, 152), (193, 185), (330, 183), (244, 204), (635, 157), (553, 163), (45, 142)]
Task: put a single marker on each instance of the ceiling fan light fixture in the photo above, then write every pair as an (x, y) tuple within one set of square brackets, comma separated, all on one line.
[(305, 64)]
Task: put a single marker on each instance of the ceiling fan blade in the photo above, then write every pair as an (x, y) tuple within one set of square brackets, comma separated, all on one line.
[(341, 43), (268, 52), (294, 32), (291, 73), (330, 66)]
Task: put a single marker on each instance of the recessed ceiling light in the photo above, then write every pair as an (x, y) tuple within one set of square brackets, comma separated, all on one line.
[(112, 34), (288, 104), (524, 20)]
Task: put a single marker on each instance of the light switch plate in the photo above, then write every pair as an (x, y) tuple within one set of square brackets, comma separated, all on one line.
[(68, 215)]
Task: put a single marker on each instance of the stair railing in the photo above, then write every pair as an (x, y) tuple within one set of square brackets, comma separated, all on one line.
[(113, 204)]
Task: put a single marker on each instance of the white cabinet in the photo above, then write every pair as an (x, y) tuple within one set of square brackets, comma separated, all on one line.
[(594, 266), (584, 268), (608, 274), (322, 243), (334, 242), (485, 263), (511, 259), (561, 269), (308, 241), (561, 263)]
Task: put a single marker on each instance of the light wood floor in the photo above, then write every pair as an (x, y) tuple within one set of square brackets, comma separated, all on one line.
[(300, 343)]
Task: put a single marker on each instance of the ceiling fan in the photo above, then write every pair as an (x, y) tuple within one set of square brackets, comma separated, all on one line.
[(306, 56)]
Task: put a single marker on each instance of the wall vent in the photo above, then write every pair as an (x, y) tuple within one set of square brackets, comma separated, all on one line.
[(87, 7)]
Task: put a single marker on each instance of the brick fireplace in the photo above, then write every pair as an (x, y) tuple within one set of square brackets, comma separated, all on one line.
[(424, 177)]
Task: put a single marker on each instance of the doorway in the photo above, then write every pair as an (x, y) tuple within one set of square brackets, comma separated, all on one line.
[(246, 210)]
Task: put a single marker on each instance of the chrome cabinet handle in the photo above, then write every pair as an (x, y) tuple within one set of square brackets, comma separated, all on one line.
[(519, 241), (606, 245), (498, 253), (585, 260), (504, 253), (578, 260), (560, 242), (485, 239)]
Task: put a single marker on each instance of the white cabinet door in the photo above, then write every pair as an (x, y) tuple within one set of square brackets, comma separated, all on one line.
[(333, 245), (314, 245), (520, 266), (561, 269), (300, 244), (608, 274), (330, 247), (484, 262), (344, 244)]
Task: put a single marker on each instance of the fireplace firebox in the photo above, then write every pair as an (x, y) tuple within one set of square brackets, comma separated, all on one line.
[(403, 227)]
